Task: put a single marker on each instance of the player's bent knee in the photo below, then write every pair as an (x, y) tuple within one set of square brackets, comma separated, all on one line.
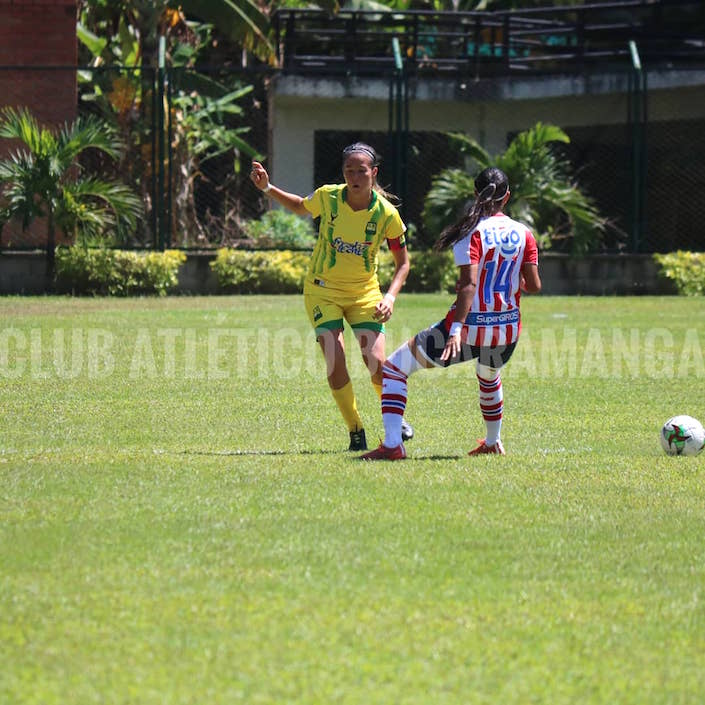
[(486, 372)]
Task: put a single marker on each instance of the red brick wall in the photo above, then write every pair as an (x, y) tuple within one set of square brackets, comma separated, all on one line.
[(40, 36), (38, 50)]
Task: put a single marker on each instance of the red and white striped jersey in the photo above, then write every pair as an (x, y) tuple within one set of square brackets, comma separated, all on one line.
[(499, 246)]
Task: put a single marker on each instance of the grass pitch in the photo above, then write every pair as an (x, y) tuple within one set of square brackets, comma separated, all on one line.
[(180, 522)]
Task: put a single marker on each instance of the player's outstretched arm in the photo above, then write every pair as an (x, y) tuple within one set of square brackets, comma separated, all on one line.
[(291, 201)]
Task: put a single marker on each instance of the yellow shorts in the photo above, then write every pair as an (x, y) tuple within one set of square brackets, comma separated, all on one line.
[(327, 308)]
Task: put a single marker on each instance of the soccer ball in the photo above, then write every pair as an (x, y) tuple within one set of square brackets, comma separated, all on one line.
[(682, 435)]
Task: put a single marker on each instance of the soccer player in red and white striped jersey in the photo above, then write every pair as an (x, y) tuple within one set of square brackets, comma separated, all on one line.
[(497, 259)]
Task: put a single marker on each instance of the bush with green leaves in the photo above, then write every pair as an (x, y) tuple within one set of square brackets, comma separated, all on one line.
[(430, 271), (81, 270), (280, 229), (385, 268), (685, 269), (44, 178), (545, 195), (284, 271), (247, 272)]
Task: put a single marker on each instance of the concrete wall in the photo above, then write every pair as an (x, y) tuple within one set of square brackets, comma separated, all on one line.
[(23, 273), (487, 110)]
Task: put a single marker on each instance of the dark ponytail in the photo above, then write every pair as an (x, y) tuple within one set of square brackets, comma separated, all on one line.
[(491, 186)]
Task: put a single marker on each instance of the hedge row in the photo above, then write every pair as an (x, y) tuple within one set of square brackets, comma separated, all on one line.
[(283, 271), (80, 270), (685, 269), (122, 273)]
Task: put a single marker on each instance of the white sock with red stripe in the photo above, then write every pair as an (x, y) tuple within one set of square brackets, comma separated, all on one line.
[(491, 401), (395, 372)]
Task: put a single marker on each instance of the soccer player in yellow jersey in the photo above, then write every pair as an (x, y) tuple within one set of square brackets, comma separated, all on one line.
[(341, 285)]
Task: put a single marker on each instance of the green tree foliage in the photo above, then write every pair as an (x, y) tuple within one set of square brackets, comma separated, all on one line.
[(544, 194), (127, 32), (243, 22), (205, 119), (45, 179), (121, 32)]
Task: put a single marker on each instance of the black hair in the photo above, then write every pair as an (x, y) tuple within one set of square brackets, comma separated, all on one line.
[(491, 186), (363, 148)]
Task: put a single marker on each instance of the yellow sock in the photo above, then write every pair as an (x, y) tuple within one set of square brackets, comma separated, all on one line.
[(378, 389), (345, 399)]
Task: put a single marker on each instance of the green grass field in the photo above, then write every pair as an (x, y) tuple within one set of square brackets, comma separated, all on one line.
[(180, 521)]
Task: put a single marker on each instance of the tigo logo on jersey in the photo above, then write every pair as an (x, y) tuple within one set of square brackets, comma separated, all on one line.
[(506, 241)]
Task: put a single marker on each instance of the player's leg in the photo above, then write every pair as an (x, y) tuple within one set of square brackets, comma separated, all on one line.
[(370, 333), (332, 345), (372, 348), (397, 369), (402, 363), (422, 351), (491, 397), (491, 407), (358, 310), (372, 345), (326, 316)]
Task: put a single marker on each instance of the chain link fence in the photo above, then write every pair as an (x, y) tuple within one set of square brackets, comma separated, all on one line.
[(672, 184), (422, 150), (189, 138), (218, 124)]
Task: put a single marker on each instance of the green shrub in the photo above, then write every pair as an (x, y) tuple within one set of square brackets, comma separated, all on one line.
[(385, 268), (429, 272), (117, 272), (685, 269), (432, 272), (245, 272), (280, 229), (283, 271)]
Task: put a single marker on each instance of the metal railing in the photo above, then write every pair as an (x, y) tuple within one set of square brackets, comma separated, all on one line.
[(568, 39)]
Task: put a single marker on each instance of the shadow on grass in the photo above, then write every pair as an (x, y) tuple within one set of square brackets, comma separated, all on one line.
[(249, 452), (416, 457), (264, 452), (436, 457)]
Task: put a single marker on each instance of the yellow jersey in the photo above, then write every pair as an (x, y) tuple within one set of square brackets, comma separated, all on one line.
[(345, 255)]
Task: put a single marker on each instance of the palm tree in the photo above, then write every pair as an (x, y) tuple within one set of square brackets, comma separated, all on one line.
[(45, 179), (544, 195), (128, 32)]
